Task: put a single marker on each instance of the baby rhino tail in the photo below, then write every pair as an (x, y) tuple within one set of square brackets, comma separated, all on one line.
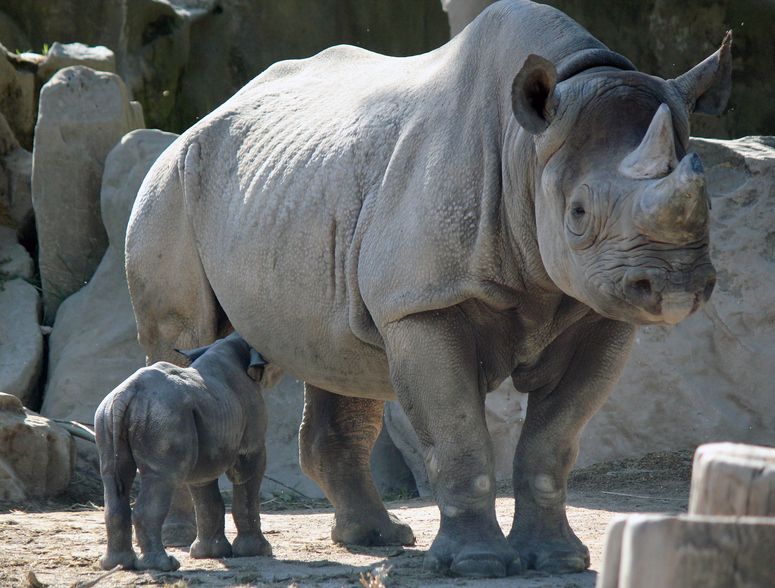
[(117, 469)]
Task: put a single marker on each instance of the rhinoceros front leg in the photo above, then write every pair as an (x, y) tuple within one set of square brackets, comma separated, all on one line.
[(336, 438), (434, 367), (549, 445)]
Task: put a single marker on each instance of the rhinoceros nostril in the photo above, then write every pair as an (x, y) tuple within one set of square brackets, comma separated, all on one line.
[(642, 288)]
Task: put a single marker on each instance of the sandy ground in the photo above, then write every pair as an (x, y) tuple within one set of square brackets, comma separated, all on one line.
[(61, 543)]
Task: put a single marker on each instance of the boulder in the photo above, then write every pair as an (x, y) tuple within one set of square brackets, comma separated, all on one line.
[(93, 346), (83, 115), (37, 457), (19, 94), (60, 56), (15, 181), (21, 342), (708, 378)]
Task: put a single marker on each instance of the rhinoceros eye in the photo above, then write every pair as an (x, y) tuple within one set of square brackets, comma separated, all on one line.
[(578, 220)]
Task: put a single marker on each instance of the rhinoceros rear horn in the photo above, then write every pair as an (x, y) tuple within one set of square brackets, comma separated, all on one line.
[(655, 156), (706, 87), (533, 99)]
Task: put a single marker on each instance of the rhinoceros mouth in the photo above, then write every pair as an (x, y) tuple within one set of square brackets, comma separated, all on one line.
[(667, 297)]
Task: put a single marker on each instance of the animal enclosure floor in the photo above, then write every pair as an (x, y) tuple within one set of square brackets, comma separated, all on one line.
[(62, 547)]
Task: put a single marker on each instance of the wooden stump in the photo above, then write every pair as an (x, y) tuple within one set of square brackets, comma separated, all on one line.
[(733, 479), (726, 541), (658, 551)]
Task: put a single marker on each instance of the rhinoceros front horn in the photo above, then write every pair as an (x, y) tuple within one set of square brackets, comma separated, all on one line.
[(655, 156), (675, 209)]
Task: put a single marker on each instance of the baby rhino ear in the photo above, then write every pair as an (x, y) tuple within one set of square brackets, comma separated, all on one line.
[(533, 97), (256, 360), (194, 354)]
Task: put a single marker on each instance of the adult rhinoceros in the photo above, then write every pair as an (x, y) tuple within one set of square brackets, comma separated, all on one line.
[(420, 228)]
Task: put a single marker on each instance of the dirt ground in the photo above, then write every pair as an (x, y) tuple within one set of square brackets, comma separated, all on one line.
[(60, 541)]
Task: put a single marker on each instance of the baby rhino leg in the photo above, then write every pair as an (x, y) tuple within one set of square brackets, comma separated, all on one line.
[(250, 540), (210, 538)]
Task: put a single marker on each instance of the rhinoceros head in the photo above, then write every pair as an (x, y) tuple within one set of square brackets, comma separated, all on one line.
[(622, 211)]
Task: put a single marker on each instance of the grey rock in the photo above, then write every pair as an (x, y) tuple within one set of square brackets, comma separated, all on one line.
[(60, 56), (37, 457), (21, 342), (708, 378), (15, 179), (15, 262), (83, 114), (93, 346), (18, 94)]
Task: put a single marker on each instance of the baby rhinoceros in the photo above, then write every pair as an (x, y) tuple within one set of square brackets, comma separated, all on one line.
[(184, 425)]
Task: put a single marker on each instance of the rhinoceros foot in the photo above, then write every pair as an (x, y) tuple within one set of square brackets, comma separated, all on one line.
[(477, 559), (125, 559), (211, 547), (555, 557), (157, 561), (251, 545), (391, 531)]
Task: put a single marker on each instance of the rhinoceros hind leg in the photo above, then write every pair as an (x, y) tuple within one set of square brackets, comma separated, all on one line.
[(210, 540), (336, 438)]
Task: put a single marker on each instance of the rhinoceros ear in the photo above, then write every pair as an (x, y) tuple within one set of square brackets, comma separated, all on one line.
[(533, 99), (706, 87)]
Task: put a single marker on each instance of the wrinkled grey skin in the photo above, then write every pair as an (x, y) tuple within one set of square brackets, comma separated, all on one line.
[(184, 425), (421, 228)]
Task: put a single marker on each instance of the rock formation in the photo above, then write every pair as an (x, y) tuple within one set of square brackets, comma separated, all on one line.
[(93, 346), (37, 457), (82, 115)]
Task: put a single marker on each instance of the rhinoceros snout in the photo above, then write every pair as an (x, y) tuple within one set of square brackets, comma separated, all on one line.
[(669, 297)]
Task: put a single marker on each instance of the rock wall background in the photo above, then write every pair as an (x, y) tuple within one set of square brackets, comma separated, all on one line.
[(182, 58), (164, 64)]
